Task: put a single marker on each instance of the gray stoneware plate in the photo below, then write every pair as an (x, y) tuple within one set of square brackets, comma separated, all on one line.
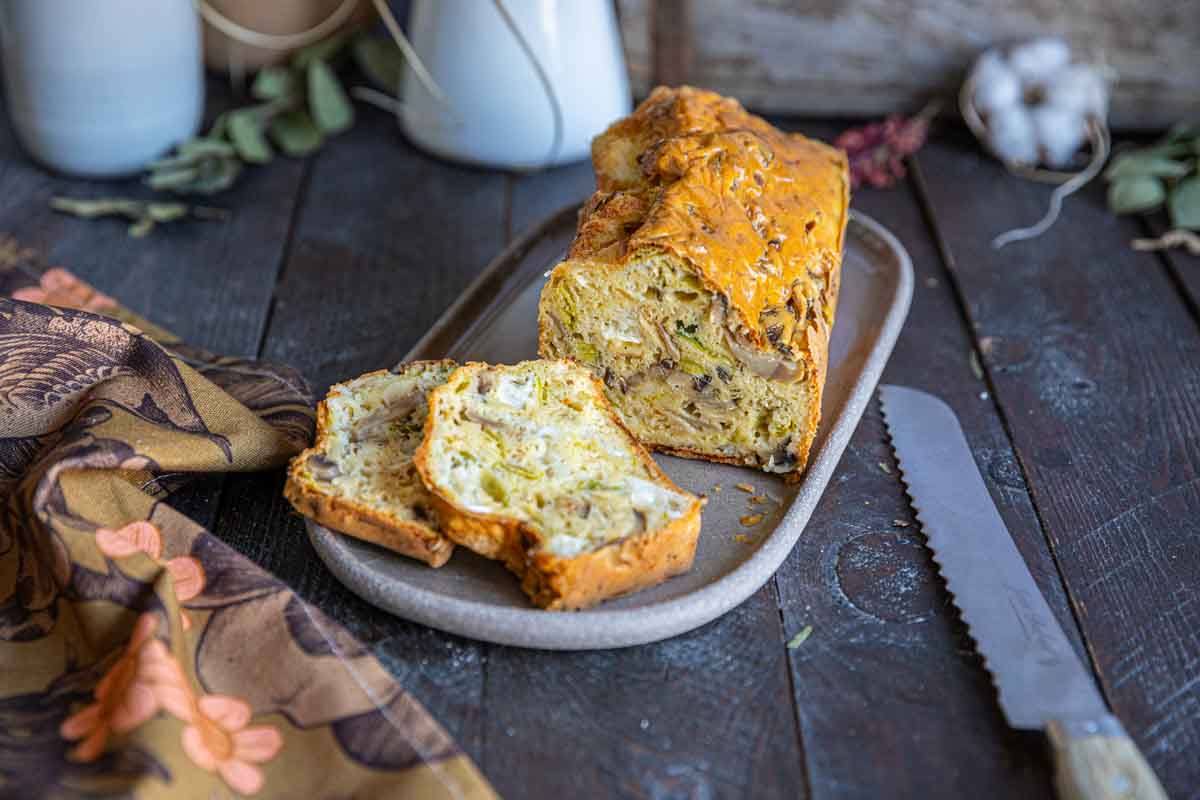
[(495, 320)]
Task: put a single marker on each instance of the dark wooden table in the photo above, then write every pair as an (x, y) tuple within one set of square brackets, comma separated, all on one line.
[(1085, 424)]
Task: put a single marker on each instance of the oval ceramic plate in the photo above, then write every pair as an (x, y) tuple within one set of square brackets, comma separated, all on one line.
[(495, 320)]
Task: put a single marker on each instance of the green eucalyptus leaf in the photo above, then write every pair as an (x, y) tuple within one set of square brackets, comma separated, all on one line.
[(295, 134), (99, 207), (1139, 164), (173, 179), (207, 147), (166, 212), (324, 50), (331, 109), (272, 83), (380, 60), (173, 162), (1181, 131), (216, 176), (217, 131), (1184, 204), (246, 133), (141, 228), (1135, 193)]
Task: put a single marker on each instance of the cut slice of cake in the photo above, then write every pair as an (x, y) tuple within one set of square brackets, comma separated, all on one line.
[(359, 476), (530, 465), (702, 283)]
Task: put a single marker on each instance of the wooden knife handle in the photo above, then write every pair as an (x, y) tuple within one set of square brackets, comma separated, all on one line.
[(1096, 760)]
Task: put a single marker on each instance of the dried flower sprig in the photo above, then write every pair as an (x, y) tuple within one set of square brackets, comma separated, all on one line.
[(876, 151)]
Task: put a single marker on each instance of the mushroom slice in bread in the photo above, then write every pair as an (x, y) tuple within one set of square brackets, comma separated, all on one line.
[(530, 465), (703, 280), (359, 477)]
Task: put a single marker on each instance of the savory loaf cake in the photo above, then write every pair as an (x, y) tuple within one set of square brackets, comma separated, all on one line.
[(359, 477), (702, 281), (530, 466)]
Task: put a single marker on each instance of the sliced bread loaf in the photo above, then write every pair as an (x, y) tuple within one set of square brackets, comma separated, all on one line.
[(529, 464), (703, 280), (359, 477)]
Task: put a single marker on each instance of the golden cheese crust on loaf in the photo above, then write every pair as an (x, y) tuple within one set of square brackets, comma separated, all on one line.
[(703, 279), (358, 478), (529, 465)]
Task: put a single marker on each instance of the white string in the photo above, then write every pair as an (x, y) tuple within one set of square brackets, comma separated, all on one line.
[(547, 86), (270, 41), (410, 55), (1099, 136), (378, 99)]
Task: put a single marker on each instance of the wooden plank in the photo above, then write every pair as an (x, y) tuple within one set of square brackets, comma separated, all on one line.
[(1095, 361), (384, 240), (1182, 266), (892, 700), (671, 40), (871, 57), (700, 715), (537, 196), (208, 282)]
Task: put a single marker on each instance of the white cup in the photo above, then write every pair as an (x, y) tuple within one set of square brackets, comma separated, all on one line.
[(501, 115), (98, 88)]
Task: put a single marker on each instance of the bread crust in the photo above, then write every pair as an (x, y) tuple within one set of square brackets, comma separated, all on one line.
[(560, 583), (756, 213), (413, 539)]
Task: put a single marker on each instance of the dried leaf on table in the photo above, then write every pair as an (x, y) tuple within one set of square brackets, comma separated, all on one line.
[(1175, 238), (144, 216), (800, 638)]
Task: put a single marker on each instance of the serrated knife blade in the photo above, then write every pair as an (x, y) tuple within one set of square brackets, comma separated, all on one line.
[(1040, 681)]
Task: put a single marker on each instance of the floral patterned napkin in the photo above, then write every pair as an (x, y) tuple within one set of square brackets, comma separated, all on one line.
[(139, 655)]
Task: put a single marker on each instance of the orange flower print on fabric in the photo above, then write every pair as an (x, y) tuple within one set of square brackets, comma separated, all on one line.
[(219, 741), (143, 680), (60, 288), (135, 537), (186, 572), (189, 579)]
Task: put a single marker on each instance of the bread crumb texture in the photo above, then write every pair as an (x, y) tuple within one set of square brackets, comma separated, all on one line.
[(359, 477), (537, 470)]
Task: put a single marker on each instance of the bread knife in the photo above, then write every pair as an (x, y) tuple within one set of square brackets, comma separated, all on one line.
[(1040, 681)]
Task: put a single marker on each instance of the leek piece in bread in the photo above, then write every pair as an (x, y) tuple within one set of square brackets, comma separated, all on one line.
[(359, 477), (531, 466), (702, 282)]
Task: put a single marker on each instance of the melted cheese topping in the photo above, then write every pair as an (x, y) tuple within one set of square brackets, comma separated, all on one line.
[(755, 211)]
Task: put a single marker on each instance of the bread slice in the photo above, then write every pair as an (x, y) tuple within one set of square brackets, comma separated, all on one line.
[(530, 466), (359, 477), (702, 283)]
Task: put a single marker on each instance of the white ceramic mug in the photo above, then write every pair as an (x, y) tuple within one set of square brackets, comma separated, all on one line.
[(500, 113), (99, 88)]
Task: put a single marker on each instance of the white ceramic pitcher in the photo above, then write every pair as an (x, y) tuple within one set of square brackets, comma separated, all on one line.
[(100, 87), (499, 112)]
